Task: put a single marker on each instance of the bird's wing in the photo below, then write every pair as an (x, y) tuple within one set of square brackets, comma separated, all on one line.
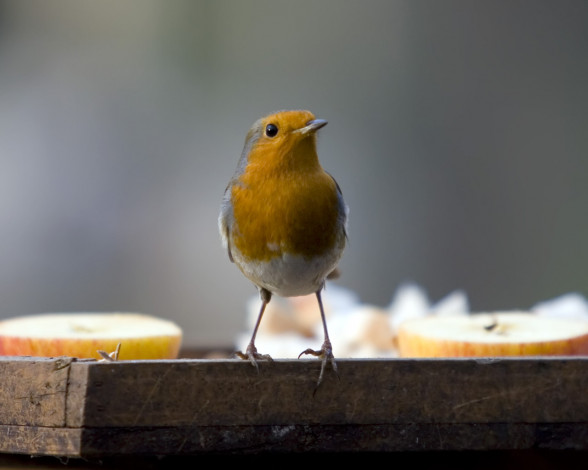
[(225, 220), (343, 209)]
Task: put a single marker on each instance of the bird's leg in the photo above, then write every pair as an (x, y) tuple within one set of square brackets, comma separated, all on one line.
[(251, 352), (326, 351)]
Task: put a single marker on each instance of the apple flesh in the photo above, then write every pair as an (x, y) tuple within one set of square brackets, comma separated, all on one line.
[(82, 335), (498, 334)]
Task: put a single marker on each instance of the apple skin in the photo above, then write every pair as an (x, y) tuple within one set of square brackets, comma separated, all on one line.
[(517, 334), (140, 336), (158, 347)]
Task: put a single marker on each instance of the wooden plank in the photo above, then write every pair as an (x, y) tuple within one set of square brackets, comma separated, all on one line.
[(198, 440), (76, 394), (70, 408), (33, 391), (37, 440), (232, 393), (416, 437)]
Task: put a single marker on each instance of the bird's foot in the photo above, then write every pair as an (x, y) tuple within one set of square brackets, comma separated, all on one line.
[(253, 356), (326, 356)]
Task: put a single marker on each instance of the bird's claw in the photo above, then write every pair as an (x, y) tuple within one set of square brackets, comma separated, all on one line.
[(326, 355), (253, 356)]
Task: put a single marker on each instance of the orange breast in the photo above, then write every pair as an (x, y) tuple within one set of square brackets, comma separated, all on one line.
[(286, 213)]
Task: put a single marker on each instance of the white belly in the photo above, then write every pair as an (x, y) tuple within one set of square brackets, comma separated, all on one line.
[(289, 275)]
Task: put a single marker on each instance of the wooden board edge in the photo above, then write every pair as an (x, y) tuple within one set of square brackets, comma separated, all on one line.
[(33, 390), (421, 437), (77, 386), (231, 393), (38, 440)]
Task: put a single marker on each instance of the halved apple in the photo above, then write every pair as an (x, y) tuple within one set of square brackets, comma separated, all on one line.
[(492, 334), (82, 335)]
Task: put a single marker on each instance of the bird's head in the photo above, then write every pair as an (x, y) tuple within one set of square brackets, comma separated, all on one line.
[(284, 140)]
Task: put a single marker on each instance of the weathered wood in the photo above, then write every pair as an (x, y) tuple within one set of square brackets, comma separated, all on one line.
[(184, 407), (33, 391), (77, 388), (38, 440), (182, 441), (226, 392), (186, 441)]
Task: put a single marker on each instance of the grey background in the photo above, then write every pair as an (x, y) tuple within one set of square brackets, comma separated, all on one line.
[(457, 131)]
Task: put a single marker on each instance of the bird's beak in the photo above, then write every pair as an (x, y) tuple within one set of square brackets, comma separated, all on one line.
[(312, 126)]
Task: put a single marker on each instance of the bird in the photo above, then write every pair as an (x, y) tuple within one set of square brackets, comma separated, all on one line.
[(283, 220)]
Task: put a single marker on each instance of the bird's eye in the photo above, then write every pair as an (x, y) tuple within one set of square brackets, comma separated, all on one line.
[(271, 130)]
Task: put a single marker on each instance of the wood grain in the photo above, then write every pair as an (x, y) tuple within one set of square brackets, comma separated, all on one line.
[(33, 392), (66, 407), (221, 392)]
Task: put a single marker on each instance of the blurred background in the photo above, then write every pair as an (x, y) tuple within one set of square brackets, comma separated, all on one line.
[(458, 131)]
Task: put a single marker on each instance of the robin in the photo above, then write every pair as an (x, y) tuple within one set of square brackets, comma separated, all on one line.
[(283, 218)]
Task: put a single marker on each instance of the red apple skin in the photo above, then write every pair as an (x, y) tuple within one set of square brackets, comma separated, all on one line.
[(83, 335), (164, 347), (412, 343)]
